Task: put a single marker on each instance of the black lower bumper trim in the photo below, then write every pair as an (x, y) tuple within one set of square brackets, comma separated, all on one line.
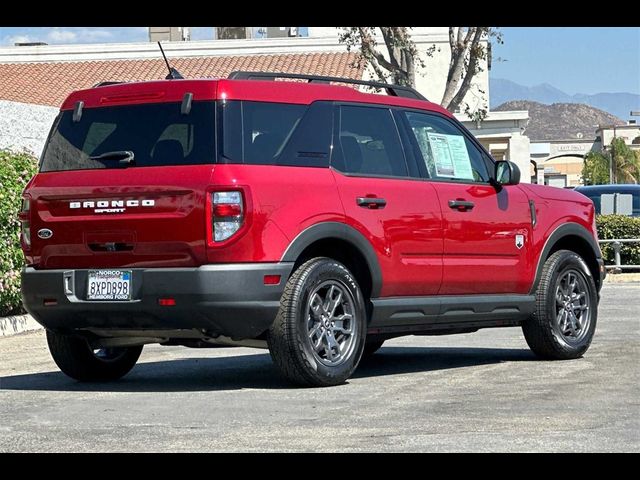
[(230, 300)]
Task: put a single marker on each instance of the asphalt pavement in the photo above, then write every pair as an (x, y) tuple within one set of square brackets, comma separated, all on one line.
[(483, 391)]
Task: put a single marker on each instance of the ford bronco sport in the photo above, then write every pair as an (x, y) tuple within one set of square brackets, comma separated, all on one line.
[(303, 216)]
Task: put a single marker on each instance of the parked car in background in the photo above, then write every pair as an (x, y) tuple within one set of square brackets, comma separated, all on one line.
[(613, 199)]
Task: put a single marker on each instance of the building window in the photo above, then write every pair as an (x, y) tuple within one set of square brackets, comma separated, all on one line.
[(231, 33)]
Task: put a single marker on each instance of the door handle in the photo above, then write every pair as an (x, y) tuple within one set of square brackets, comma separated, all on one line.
[(461, 205), (372, 203)]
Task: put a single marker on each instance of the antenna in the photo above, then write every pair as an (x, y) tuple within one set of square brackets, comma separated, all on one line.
[(173, 73)]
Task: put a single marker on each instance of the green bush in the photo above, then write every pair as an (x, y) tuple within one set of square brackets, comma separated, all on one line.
[(619, 226), (15, 171)]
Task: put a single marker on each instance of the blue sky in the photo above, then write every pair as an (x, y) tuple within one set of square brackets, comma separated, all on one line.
[(575, 60)]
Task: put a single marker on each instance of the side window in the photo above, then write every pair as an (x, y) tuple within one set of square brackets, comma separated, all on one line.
[(310, 144), (369, 143), (446, 150), (257, 132)]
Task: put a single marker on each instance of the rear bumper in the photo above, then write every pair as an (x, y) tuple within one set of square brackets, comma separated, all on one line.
[(602, 271), (230, 300)]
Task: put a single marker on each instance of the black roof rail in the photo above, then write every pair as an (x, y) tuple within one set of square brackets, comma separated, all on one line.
[(393, 90), (103, 84)]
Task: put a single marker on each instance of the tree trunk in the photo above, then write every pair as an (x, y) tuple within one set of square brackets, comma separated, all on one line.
[(472, 69)]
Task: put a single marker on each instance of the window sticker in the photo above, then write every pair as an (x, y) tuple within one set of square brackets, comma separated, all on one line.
[(451, 156)]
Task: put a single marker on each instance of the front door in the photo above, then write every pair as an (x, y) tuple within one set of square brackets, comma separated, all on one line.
[(385, 200), (487, 233)]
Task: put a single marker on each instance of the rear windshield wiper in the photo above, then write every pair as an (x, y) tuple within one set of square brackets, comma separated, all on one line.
[(123, 156)]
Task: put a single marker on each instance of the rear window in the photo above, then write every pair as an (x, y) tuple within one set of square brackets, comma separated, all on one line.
[(157, 134)]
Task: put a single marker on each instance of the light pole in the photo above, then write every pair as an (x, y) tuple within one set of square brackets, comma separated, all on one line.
[(613, 144)]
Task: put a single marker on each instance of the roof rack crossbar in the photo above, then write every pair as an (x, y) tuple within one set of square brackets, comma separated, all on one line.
[(393, 90)]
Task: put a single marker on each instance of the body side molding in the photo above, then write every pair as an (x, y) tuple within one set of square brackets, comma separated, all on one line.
[(479, 310)]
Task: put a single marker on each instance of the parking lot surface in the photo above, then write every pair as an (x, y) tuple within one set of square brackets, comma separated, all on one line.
[(483, 391)]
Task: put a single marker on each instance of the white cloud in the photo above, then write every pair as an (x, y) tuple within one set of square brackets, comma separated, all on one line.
[(62, 36), (18, 39), (89, 34), (67, 35)]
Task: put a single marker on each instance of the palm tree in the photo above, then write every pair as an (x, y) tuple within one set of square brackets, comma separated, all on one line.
[(626, 165)]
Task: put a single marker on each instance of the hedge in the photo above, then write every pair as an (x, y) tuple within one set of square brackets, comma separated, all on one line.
[(619, 226), (15, 171)]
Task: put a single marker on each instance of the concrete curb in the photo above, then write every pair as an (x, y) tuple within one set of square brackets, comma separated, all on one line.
[(622, 278), (17, 324)]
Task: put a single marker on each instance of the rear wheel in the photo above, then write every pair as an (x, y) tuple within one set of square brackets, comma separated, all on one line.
[(75, 357), (318, 335), (564, 321)]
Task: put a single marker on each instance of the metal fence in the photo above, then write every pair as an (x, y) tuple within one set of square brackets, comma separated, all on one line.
[(617, 247)]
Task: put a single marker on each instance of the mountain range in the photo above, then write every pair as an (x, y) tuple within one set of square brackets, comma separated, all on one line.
[(618, 104), (561, 121)]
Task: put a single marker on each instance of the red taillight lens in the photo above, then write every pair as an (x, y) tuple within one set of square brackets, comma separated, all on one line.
[(167, 302), (228, 214), (226, 210)]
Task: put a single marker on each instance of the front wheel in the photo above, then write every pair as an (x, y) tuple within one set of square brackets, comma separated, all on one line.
[(564, 321), (75, 357), (318, 335)]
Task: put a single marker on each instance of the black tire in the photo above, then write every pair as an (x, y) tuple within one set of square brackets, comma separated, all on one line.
[(76, 358), (371, 347), (543, 330), (289, 339)]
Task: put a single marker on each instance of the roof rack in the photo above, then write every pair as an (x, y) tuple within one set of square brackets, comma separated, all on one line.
[(393, 90), (104, 84)]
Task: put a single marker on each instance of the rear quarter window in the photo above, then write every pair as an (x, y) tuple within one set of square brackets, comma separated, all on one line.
[(265, 133)]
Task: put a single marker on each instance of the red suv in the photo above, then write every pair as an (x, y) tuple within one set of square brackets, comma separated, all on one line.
[(302, 216)]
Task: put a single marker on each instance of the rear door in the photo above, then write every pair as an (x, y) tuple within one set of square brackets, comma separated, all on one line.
[(106, 208), (487, 233), (384, 199)]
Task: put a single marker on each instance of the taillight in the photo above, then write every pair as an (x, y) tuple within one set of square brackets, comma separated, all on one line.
[(26, 205), (25, 226), (26, 234), (227, 213)]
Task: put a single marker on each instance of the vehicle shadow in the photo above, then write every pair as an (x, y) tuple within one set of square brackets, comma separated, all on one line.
[(258, 372)]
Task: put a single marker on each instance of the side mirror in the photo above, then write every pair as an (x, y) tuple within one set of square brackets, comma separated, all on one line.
[(506, 173)]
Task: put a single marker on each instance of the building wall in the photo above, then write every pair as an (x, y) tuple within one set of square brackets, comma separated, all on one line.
[(627, 132), (24, 126), (566, 157), (503, 135), (518, 152), (168, 34)]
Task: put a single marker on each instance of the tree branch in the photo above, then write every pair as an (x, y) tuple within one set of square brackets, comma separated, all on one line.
[(475, 52), (457, 64)]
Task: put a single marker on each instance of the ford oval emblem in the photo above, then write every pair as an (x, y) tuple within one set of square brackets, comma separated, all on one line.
[(45, 233)]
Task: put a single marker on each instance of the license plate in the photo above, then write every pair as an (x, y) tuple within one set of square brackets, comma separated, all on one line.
[(109, 285)]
